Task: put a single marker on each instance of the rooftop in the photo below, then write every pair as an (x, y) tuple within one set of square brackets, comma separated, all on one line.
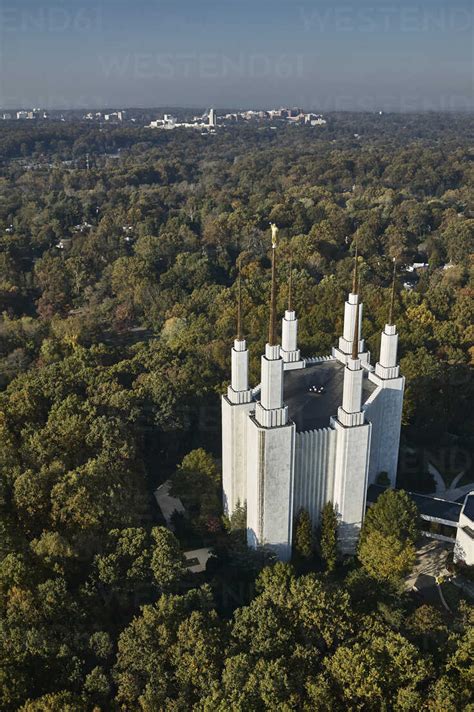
[(196, 560), (469, 507), (429, 507), (312, 411)]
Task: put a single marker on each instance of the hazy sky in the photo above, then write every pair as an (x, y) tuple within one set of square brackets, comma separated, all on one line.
[(237, 53)]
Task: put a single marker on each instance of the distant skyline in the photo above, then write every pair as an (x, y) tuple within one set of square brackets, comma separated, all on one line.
[(323, 56)]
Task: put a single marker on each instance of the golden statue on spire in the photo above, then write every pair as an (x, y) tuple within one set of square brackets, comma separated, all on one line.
[(272, 339), (274, 234)]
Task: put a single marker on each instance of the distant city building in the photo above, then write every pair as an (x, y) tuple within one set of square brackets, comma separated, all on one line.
[(207, 122), (115, 116), (169, 120)]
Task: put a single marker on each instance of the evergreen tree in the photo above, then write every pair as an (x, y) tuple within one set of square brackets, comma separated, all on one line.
[(385, 557), (328, 538), (303, 537), (238, 518), (386, 546), (394, 514)]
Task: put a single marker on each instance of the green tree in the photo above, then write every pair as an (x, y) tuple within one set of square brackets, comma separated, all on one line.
[(167, 562), (303, 536), (197, 483), (379, 669), (386, 545), (61, 701), (238, 518), (385, 557), (149, 671), (394, 514), (328, 536)]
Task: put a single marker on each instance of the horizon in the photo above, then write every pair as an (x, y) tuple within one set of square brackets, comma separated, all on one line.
[(205, 107), (397, 58)]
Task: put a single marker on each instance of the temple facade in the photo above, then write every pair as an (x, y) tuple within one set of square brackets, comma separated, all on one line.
[(314, 430)]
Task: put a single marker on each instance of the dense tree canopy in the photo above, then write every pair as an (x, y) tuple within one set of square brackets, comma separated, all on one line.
[(117, 303)]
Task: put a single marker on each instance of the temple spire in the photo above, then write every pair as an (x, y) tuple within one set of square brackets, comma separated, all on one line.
[(290, 285), (272, 340), (355, 290), (289, 350), (392, 296), (238, 391), (239, 303), (355, 342), (355, 276)]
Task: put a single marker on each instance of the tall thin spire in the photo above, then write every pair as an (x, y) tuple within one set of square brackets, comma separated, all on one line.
[(355, 276), (239, 303), (355, 342), (272, 340), (290, 285), (392, 296)]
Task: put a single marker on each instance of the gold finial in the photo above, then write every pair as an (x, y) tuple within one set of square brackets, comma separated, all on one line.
[(290, 285), (392, 296), (355, 277), (272, 326)]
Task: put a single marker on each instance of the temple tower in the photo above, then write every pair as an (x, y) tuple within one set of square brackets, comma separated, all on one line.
[(353, 307), (386, 410), (271, 445), (315, 430), (352, 448), (235, 408), (290, 352)]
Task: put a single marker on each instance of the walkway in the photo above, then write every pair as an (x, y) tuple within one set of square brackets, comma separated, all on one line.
[(429, 565), (168, 504), (430, 560)]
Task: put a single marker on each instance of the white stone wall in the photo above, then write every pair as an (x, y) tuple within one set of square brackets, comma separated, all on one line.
[(270, 468), (350, 310), (271, 378), (289, 332), (388, 347), (314, 471), (384, 410), (345, 341), (234, 453), (464, 547), (350, 481), (240, 366)]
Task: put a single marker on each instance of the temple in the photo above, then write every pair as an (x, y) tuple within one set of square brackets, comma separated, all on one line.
[(314, 430)]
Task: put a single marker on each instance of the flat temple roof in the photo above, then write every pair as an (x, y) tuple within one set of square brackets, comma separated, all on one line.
[(312, 411)]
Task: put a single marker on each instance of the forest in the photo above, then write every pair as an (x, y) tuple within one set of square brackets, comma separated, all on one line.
[(118, 287)]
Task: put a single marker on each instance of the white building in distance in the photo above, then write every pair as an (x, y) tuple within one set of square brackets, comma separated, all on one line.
[(314, 430)]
